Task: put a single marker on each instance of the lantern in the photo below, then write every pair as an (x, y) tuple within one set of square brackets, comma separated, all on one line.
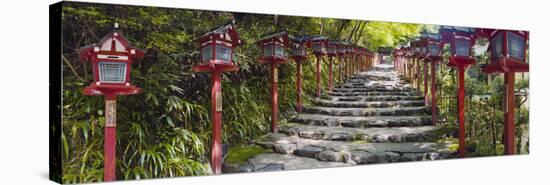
[(217, 50), (462, 40), (417, 48), (319, 45), (299, 53), (111, 58), (273, 47), (508, 51), (341, 51), (432, 42), (434, 46), (508, 55), (299, 46), (332, 48)]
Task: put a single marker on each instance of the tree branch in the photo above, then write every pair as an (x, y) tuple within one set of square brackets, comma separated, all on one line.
[(72, 68)]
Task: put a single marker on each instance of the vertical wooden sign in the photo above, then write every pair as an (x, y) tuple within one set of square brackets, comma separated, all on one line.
[(275, 75), (110, 113), (219, 101)]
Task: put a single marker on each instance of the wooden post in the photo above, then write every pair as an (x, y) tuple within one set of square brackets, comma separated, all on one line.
[(330, 74), (350, 70), (109, 165), (509, 114), (340, 63), (434, 97), (418, 76), (216, 151), (318, 95), (274, 97), (461, 131), (426, 83), (413, 62), (299, 85), (405, 68)]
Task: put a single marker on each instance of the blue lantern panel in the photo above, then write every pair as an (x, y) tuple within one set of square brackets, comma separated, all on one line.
[(516, 46), (462, 48)]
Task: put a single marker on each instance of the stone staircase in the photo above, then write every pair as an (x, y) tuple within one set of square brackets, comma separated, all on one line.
[(372, 118)]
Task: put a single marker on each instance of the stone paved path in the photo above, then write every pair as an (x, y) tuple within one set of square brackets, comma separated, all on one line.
[(374, 117)]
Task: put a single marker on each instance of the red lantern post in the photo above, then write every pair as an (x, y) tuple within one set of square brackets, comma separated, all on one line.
[(424, 57), (217, 51), (508, 55), (462, 40), (319, 44), (342, 55), (331, 52), (299, 54), (273, 46), (351, 53), (111, 59), (432, 43), (357, 59)]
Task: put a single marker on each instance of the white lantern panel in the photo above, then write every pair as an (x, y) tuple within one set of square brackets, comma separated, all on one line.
[(341, 50), (268, 50), (331, 49), (516, 46), (112, 72), (298, 51), (206, 54), (319, 48), (223, 53), (279, 51), (462, 48)]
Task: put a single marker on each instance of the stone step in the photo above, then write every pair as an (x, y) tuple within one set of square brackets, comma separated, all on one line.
[(369, 104), (390, 93), (355, 152), (374, 98), (271, 161), (373, 89), (373, 135), (401, 111), (362, 122)]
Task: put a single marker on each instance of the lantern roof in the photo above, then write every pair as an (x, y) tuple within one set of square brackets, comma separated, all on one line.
[(467, 30), (301, 39), (280, 36), (484, 32), (319, 38), (225, 32), (385, 50), (114, 42), (447, 32)]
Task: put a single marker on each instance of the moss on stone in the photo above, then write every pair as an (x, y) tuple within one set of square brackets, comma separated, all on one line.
[(240, 154), (360, 142)]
